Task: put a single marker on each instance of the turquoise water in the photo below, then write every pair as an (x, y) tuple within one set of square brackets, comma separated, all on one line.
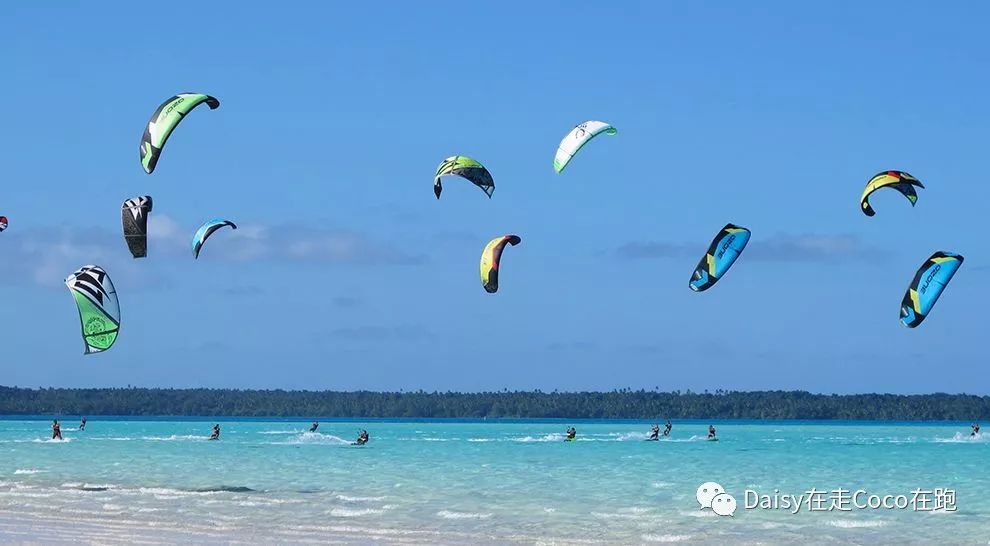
[(479, 482)]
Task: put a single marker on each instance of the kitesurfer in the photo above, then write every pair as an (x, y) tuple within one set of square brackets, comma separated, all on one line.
[(216, 432), (314, 427), (667, 427), (654, 433), (571, 434), (711, 432), (362, 438), (82, 424), (56, 430), (976, 429)]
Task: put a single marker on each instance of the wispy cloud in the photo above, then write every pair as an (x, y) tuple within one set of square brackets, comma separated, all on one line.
[(381, 333), (811, 248), (345, 301), (639, 250), (45, 256), (780, 248), (254, 242)]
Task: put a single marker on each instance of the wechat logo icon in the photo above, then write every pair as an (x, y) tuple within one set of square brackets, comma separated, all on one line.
[(713, 496)]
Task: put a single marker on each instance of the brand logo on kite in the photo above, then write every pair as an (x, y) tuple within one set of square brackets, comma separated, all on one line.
[(173, 106), (928, 279), (725, 245)]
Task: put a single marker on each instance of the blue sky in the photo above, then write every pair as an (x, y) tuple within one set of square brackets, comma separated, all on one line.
[(347, 273)]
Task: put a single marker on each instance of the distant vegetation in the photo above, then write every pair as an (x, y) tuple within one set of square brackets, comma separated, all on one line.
[(505, 404)]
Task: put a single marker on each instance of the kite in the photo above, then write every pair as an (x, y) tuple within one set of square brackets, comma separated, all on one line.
[(163, 122), (490, 259), (204, 232), (99, 310), (722, 253), (927, 285), (576, 139), (466, 168), (134, 218), (898, 180)]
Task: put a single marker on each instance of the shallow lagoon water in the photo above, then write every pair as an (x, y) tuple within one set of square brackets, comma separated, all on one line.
[(478, 482)]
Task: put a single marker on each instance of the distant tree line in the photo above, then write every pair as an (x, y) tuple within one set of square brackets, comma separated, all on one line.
[(505, 404)]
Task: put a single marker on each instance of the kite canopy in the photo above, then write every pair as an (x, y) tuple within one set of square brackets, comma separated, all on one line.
[(99, 310), (576, 139), (204, 232), (3, 223), (898, 180), (466, 168), (134, 218), (163, 122), (490, 259), (927, 285), (722, 253)]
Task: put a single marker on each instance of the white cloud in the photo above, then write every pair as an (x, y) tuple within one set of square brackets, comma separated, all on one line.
[(46, 256), (784, 248)]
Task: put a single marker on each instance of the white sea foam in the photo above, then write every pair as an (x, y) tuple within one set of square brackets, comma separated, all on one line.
[(175, 438), (699, 514), (552, 437), (348, 498), (615, 515), (450, 514), (28, 471), (354, 512), (665, 538), (960, 437), (626, 436), (856, 524), (314, 438)]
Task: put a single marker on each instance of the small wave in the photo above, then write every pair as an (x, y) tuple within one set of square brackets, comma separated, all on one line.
[(354, 513), (347, 498), (96, 487), (169, 493), (960, 437), (482, 440), (665, 538), (113, 507), (280, 431), (28, 471), (615, 515), (553, 437), (854, 524), (315, 438), (175, 438), (699, 514), (662, 485), (224, 489), (47, 441), (626, 436), (450, 514), (634, 512)]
